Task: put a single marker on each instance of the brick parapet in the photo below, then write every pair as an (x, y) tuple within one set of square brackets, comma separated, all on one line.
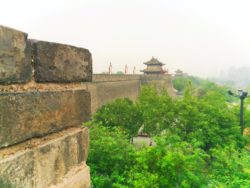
[(43, 103), (114, 77)]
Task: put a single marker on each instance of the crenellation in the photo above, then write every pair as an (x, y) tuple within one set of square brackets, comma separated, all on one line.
[(15, 56), (115, 77), (55, 62), (43, 104)]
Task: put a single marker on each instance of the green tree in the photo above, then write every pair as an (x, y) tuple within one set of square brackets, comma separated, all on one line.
[(202, 86), (110, 156), (207, 119), (157, 110), (171, 163), (122, 113), (180, 83), (229, 167)]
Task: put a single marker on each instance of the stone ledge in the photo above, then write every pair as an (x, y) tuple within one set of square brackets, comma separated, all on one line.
[(35, 114), (56, 62), (43, 162), (15, 56)]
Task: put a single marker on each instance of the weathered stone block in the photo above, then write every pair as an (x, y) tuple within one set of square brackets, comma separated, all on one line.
[(61, 63), (34, 114), (15, 56), (76, 178), (45, 161)]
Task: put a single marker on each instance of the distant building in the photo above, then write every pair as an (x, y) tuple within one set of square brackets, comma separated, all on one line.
[(179, 73), (153, 67)]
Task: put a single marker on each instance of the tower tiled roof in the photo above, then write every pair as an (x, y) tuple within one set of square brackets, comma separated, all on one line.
[(154, 61)]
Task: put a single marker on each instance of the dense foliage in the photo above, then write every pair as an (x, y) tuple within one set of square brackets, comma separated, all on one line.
[(5, 183), (111, 156), (121, 113), (198, 142), (201, 87)]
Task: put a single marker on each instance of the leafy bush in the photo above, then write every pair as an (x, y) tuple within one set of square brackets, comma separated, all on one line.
[(157, 110), (207, 120), (122, 113), (171, 163), (110, 155), (229, 167)]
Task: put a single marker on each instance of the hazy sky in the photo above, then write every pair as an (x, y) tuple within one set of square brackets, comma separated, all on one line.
[(201, 37)]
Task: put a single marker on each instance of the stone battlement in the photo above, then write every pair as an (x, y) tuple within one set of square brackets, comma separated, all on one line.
[(42, 108), (115, 77)]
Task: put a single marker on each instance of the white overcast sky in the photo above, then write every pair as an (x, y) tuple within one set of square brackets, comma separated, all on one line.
[(201, 37)]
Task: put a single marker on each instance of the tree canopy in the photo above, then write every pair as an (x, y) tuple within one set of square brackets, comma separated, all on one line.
[(197, 136)]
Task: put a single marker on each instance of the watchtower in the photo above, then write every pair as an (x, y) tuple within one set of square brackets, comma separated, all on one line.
[(154, 66)]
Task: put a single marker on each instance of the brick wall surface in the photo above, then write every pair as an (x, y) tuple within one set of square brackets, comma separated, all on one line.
[(43, 105)]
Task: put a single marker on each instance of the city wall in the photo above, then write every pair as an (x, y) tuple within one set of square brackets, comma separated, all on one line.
[(47, 91), (105, 88)]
